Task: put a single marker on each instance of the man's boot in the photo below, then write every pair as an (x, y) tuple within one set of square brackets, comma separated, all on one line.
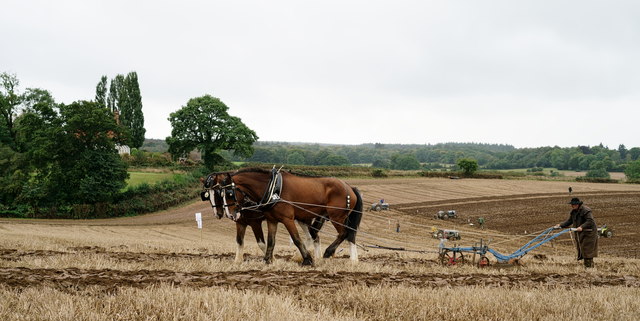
[(588, 263)]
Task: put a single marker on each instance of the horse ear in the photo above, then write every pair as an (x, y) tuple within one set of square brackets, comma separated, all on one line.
[(201, 179)]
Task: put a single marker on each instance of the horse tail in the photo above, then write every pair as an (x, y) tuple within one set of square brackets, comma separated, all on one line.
[(354, 218)]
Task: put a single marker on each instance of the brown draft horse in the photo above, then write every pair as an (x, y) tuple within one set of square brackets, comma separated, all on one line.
[(302, 198), (214, 188)]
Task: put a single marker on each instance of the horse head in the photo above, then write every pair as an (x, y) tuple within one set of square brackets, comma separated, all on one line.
[(230, 195), (213, 192)]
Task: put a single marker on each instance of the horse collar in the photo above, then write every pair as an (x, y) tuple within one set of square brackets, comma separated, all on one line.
[(272, 194)]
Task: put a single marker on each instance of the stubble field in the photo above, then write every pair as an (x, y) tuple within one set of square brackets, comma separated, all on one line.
[(161, 267)]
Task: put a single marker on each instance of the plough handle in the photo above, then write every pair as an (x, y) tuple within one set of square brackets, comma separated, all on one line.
[(573, 229)]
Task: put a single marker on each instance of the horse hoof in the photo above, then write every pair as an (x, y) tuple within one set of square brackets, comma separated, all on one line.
[(307, 262), (268, 261)]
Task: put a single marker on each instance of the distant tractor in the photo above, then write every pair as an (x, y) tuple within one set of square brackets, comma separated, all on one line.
[(379, 206), (446, 234), (605, 231), (442, 215)]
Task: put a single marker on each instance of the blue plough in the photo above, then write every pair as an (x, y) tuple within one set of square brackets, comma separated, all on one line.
[(455, 255)]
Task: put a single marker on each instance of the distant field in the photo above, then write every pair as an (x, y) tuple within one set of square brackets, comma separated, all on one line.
[(137, 178), (614, 175), (547, 171)]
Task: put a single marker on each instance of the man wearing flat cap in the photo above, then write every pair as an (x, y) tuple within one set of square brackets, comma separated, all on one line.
[(586, 234)]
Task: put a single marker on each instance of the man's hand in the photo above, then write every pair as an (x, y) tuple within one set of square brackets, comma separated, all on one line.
[(557, 226), (579, 229)]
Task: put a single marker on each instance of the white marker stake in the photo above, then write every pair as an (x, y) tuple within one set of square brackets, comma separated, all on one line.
[(199, 221)]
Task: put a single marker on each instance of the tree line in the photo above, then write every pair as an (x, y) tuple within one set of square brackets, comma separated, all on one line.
[(438, 156)]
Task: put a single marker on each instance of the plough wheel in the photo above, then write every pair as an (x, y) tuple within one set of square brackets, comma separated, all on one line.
[(483, 262), (447, 259)]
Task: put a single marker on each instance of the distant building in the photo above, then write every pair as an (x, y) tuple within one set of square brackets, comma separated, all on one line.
[(122, 149)]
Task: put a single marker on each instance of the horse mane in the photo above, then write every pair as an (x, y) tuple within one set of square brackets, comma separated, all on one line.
[(305, 175), (268, 171), (252, 170)]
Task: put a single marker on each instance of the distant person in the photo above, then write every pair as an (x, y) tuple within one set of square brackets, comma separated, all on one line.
[(382, 201), (397, 226), (586, 233), (481, 222), (570, 189)]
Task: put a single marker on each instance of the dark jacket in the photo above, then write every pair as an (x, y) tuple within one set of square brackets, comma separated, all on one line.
[(587, 241)]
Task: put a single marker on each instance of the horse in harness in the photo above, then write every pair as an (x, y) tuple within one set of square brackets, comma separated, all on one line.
[(283, 197), (216, 184)]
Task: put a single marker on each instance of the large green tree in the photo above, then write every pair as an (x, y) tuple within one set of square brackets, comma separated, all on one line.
[(75, 160), (205, 124), (20, 159)]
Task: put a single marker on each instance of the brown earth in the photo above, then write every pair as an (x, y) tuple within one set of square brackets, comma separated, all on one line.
[(78, 279), (534, 212)]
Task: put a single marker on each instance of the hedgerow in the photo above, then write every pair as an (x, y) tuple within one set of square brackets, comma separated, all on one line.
[(135, 200)]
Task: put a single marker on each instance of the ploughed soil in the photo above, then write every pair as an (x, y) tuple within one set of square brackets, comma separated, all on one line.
[(533, 212), (78, 279)]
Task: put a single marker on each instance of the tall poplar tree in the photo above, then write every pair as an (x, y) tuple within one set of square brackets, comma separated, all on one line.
[(134, 116), (101, 92), (121, 104), (112, 98), (125, 99)]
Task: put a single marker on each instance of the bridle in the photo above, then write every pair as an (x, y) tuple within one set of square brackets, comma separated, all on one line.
[(211, 192), (231, 194), (228, 193)]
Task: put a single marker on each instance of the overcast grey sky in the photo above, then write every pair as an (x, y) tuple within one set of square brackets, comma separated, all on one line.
[(525, 73)]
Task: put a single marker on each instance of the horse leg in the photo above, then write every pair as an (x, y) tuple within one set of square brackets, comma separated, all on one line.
[(308, 239), (240, 230), (272, 228), (342, 235), (293, 232), (353, 252), (256, 226), (314, 230), (332, 248)]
